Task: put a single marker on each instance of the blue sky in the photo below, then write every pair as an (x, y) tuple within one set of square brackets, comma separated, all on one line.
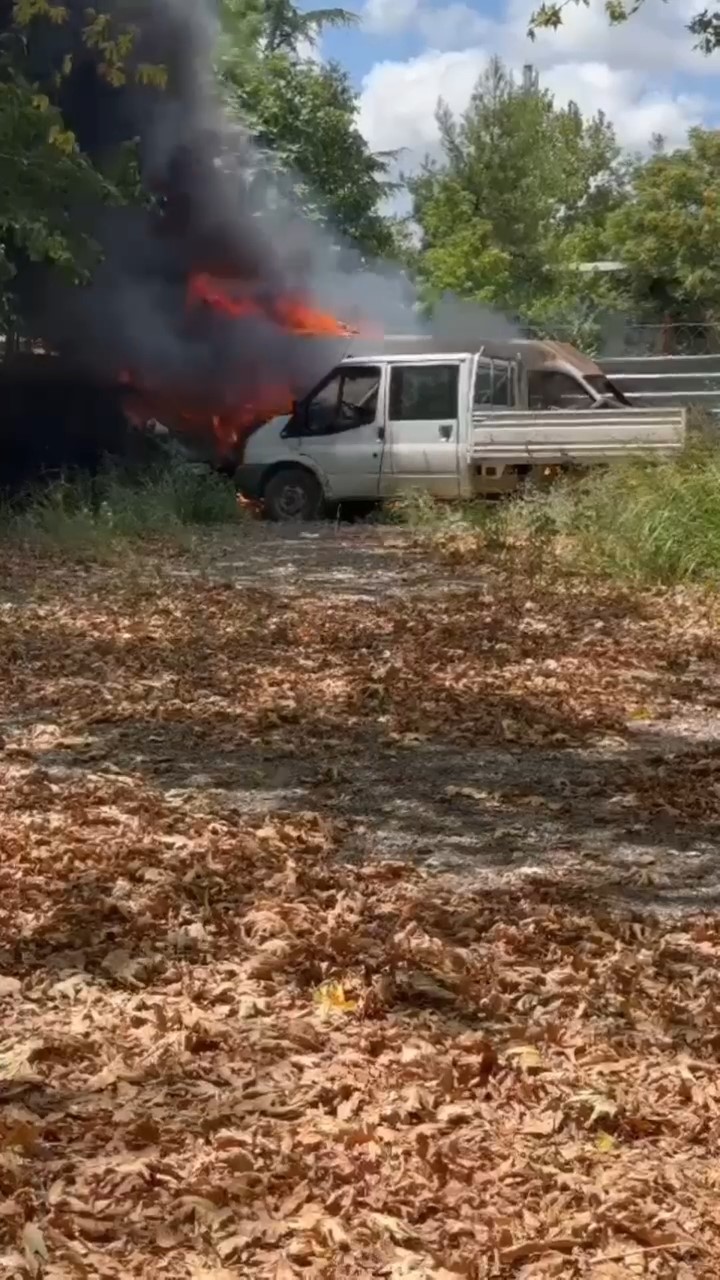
[(407, 53), (360, 48)]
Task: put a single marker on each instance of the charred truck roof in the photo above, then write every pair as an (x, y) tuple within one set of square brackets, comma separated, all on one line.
[(533, 353)]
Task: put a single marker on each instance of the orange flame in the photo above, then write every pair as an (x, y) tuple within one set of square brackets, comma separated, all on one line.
[(288, 313), (231, 424)]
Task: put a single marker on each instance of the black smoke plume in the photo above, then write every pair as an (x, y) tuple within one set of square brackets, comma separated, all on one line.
[(207, 210)]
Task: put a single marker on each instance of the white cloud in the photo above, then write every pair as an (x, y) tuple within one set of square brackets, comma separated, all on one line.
[(399, 99), (448, 26), (636, 109), (629, 72), (655, 38), (386, 16), (454, 26)]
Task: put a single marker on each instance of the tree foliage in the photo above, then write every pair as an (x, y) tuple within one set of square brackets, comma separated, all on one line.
[(45, 178), (287, 28), (668, 233), (704, 25), (519, 182), (526, 193)]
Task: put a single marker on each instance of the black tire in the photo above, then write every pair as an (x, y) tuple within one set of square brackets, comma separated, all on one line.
[(293, 494)]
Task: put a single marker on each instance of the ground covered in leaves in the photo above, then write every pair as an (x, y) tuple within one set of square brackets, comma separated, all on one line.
[(237, 1038)]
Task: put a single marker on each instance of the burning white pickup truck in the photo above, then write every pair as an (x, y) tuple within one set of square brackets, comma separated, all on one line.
[(454, 421)]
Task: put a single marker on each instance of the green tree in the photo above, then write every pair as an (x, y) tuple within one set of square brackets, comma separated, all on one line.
[(286, 28), (704, 25), (520, 180), (44, 176), (303, 116), (251, 27), (668, 233)]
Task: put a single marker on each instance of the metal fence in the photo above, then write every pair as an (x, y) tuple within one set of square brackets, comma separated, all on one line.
[(660, 339), (668, 380)]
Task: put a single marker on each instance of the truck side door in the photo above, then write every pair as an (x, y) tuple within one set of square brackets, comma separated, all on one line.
[(340, 432), (423, 420)]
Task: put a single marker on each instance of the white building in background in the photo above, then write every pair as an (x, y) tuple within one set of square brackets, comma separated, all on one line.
[(605, 267)]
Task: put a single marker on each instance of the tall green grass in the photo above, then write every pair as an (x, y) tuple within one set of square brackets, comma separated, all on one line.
[(654, 522), (644, 521), (91, 514)]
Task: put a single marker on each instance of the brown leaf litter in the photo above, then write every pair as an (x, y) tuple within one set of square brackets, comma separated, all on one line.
[(226, 1052)]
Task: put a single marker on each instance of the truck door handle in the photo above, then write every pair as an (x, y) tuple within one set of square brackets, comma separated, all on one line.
[(381, 433), (445, 430)]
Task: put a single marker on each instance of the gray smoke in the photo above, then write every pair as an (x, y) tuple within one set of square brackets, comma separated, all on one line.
[(456, 321)]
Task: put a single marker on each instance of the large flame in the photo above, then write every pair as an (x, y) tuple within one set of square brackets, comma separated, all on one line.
[(288, 313), (231, 423)]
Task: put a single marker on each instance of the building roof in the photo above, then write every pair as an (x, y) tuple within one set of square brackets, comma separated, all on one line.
[(604, 265)]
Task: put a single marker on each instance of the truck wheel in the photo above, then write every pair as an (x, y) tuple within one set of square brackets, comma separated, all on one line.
[(293, 494)]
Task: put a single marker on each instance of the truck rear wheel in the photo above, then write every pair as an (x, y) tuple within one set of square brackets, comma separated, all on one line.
[(293, 494)]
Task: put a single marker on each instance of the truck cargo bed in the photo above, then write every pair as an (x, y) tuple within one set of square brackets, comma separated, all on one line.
[(580, 436)]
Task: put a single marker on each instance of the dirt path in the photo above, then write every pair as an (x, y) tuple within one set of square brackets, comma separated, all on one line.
[(507, 800), (481, 811)]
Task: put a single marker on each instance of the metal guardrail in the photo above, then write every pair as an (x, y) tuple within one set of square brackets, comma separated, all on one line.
[(666, 381)]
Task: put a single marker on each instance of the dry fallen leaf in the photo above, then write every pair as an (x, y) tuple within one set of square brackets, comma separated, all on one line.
[(284, 1271), (15, 1061), (34, 1248), (535, 1249), (605, 1143), (331, 998), (527, 1056), (543, 1124)]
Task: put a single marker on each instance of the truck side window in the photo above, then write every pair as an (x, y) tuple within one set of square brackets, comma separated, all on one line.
[(502, 384), (550, 389), (423, 392), (493, 385), (359, 396), (321, 411), (349, 399), (482, 394)]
